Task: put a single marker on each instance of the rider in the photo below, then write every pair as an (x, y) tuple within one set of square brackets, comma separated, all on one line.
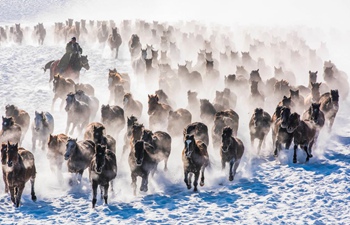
[(73, 52)]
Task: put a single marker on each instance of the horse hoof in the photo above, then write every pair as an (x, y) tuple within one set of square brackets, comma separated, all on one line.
[(294, 160), (195, 189), (201, 184), (34, 198), (189, 186), (230, 178), (311, 156)]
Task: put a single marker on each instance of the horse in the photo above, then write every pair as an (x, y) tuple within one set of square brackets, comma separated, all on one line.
[(303, 132), (141, 164), (3, 164), (177, 120), (279, 131), (315, 94), (195, 159), (189, 79), (114, 41), (113, 118), (61, 87), (207, 111), (158, 112), (42, 127), (259, 126), (102, 33), (134, 46), (39, 33), (19, 169), (336, 79), (131, 106), (193, 104), (10, 131), (78, 113), (20, 116), (96, 132), (199, 130), (255, 97), (72, 71), (297, 99), (56, 148), (17, 34), (232, 150), (78, 156), (102, 170), (115, 78), (161, 145), (329, 106), (87, 88), (91, 101), (131, 121), (221, 120), (117, 94)]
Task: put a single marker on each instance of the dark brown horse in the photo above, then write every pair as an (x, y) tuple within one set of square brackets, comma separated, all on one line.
[(195, 159), (10, 131), (158, 112), (96, 132), (103, 169), (113, 119), (279, 131), (222, 119), (141, 164), (56, 149), (161, 143), (72, 71), (303, 132), (61, 87), (42, 127), (259, 126), (20, 116), (78, 155), (3, 164), (232, 150), (132, 120), (19, 169), (329, 106), (114, 41), (78, 113), (199, 130)]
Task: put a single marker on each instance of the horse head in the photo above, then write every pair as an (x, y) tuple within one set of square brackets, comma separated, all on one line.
[(12, 154), (335, 99), (257, 116), (139, 152), (7, 122), (98, 133), (100, 158), (39, 120), (284, 116), (226, 138), (293, 122), (70, 101), (84, 62), (137, 130), (189, 145), (315, 111), (70, 147), (312, 77)]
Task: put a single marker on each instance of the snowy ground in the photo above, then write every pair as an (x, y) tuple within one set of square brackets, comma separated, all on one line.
[(265, 191)]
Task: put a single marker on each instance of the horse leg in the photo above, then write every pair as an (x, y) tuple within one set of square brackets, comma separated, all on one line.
[(202, 176), (288, 143), (73, 128), (277, 146), (133, 182), (61, 105), (116, 52), (231, 176), (32, 192), (94, 192), (53, 102), (186, 180), (307, 153), (105, 196), (166, 163), (331, 121), (223, 164), (12, 193), (19, 191), (252, 140), (80, 175), (5, 182), (67, 125), (144, 183), (260, 144), (33, 142), (195, 182), (295, 154), (235, 166)]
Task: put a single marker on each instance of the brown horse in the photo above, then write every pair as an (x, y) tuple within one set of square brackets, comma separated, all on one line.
[(39, 33), (56, 149), (91, 101), (315, 94), (78, 155), (177, 120), (259, 126), (232, 150), (19, 169), (131, 121), (78, 113), (134, 46), (161, 144), (115, 78), (303, 132), (113, 118), (103, 169), (195, 159), (96, 132), (61, 87), (3, 164), (42, 127), (132, 106), (141, 164), (329, 106), (279, 131), (72, 71), (20, 116), (10, 131), (222, 119), (199, 130), (114, 41)]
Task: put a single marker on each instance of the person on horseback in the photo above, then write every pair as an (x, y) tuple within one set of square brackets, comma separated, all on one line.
[(73, 53)]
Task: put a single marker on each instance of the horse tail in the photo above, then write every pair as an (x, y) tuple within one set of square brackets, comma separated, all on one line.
[(47, 65)]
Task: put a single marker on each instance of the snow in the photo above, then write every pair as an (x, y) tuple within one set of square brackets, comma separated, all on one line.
[(265, 191)]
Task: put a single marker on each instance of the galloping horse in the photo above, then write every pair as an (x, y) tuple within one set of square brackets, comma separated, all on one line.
[(72, 71), (114, 41)]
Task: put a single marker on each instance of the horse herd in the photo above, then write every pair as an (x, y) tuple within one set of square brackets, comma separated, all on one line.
[(293, 119)]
